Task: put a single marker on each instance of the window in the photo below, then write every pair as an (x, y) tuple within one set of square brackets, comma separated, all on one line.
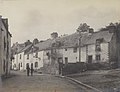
[(36, 64), (98, 57), (65, 49), (36, 55), (66, 60), (48, 54), (8, 47), (20, 56), (75, 49), (27, 56), (4, 43), (21, 64), (98, 47)]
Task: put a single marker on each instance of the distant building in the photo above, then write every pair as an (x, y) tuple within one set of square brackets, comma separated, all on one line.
[(5, 47), (29, 54), (19, 51)]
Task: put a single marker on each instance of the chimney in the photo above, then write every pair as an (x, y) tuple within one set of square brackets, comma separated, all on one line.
[(27, 43), (35, 41), (5, 21), (54, 35), (91, 30)]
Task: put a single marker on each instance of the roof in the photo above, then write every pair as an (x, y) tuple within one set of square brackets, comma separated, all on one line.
[(6, 25), (17, 48), (44, 45), (35, 49), (69, 41), (72, 40), (26, 49), (106, 35)]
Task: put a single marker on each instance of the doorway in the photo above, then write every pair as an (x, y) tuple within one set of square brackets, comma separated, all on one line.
[(90, 59)]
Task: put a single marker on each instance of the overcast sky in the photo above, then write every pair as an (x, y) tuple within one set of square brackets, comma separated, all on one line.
[(29, 19)]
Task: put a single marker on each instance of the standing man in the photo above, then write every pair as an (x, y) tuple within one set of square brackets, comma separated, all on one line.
[(28, 69), (32, 69)]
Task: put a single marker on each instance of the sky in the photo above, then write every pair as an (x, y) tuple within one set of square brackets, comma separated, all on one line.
[(29, 19)]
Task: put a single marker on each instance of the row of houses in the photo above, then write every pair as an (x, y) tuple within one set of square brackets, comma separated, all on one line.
[(5, 47), (84, 46)]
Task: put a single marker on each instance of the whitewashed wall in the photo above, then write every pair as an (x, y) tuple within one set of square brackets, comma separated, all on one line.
[(29, 61), (103, 53), (39, 59), (72, 57), (21, 61)]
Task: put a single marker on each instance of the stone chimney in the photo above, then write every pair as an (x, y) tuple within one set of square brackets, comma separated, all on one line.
[(91, 30), (54, 35), (35, 41), (27, 43)]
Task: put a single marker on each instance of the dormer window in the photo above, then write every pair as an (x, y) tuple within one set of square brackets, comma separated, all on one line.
[(98, 42)]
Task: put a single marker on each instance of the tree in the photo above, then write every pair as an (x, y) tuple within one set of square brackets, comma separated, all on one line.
[(84, 28)]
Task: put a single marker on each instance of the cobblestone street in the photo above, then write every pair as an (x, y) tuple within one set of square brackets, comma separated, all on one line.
[(38, 83)]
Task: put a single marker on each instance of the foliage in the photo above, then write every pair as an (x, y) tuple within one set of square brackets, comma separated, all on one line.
[(84, 28)]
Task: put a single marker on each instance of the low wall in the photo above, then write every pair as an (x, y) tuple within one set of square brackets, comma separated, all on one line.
[(71, 68)]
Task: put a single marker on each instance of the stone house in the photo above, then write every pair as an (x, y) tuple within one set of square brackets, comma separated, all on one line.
[(5, 47), (98, 47)]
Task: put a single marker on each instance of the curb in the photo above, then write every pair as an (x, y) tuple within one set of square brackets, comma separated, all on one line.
[(80, 83)]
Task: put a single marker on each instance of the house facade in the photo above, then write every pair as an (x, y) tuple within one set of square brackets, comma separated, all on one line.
[(98, 47), (27, 55), (5, 47), (87, 47)]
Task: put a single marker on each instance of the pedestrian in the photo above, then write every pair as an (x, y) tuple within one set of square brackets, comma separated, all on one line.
[(32, 69), (28, 69)]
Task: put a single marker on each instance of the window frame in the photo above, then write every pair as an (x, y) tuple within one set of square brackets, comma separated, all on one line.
[(27, 56), (98, 57), (75, 50), (36, 64)]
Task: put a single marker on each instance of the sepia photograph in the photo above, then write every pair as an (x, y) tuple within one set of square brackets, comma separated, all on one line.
[(59, 45)]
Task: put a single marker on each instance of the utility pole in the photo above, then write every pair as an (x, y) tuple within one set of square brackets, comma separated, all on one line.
[(80, 46)]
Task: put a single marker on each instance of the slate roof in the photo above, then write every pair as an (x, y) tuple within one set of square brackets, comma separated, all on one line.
[(98, 35), (45, 44), (72, 40), (25, 49), (17, 48)]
